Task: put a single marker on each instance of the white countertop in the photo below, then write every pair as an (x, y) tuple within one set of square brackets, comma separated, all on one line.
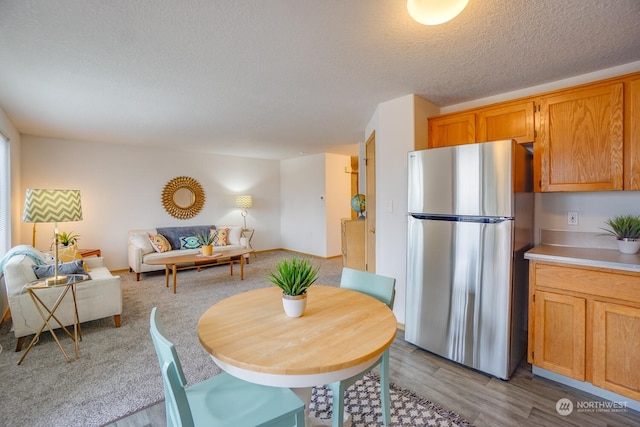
[(604, 258)]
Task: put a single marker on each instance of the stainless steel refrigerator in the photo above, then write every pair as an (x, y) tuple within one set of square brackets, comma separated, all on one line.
[(470, 222)]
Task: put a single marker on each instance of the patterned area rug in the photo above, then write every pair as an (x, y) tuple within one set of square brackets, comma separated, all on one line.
[(362, 401)]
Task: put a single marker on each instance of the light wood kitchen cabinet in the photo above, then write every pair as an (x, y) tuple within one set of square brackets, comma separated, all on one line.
[(353, 243), (511, 121), (584, 323), (559, 344), (449, 130), (632, 135), (616, 348), (580, 143)]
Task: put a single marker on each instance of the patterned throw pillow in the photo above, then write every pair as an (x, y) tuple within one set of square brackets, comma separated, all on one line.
[(159, 243), (68, 254), (220, 236), (190, 242)]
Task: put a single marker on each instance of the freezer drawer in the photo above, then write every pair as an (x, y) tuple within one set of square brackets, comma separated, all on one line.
[(459, 291)]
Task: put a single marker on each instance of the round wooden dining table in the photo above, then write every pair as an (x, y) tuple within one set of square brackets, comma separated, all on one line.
[(341, 334)]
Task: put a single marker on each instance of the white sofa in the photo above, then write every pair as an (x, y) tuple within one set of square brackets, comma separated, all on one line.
[(96, 298), (140, 249)]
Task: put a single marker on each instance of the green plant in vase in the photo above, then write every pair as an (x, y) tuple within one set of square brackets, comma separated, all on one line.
[(626, 229), (206, 240), (294, 276)]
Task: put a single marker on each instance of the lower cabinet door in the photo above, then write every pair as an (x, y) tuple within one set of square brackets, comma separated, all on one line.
[(560, 322), (616, 348)]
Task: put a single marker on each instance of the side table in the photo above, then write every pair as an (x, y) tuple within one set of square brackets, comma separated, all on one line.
[(48, 313), (248, 234), (90, 252)]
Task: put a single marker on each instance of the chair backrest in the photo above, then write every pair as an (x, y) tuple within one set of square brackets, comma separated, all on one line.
[(176, 397), (165, 349), (382, 288)]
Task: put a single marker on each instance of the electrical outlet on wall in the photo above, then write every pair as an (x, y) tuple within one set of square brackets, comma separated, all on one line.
[(572, 218)]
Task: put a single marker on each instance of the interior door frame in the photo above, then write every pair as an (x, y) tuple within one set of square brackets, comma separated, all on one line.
[(370, 195)]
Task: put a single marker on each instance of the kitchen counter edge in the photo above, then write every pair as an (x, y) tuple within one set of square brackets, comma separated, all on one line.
[(590, 257)]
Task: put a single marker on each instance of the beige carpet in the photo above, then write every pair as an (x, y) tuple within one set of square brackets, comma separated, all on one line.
[(117, 372)]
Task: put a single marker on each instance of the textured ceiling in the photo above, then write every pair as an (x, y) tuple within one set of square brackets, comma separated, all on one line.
[(272, 79)]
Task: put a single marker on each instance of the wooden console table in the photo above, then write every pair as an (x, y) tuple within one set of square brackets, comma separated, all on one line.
[(177, 263)]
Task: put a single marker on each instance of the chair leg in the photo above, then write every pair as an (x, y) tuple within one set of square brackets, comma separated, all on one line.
[(337, 420), (20, 343), (117, 320), (384, 388), (137, 277), (300, 418)]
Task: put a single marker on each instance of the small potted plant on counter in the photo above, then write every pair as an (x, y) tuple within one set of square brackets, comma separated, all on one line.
[(626, 229), (206, 240), (294, 276)]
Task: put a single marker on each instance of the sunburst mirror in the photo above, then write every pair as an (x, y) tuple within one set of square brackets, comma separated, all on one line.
[(183, 197)]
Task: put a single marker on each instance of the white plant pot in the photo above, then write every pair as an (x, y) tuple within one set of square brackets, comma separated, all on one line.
[(294, 305), (628, 246)]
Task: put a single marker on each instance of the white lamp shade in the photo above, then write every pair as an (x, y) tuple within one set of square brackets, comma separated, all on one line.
[(42, 205), (434, 12), (244, 202)]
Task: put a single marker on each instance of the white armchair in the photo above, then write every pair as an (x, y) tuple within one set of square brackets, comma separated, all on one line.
[(96, 298)]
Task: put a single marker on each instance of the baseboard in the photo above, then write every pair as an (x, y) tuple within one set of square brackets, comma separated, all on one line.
[(300, 253)]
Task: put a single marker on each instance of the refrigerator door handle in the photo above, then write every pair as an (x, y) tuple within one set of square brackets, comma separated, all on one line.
[(462, 218)]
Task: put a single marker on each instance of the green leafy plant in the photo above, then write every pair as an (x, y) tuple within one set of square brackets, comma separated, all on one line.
[(624, 226), (294, 275), (67, 239), (206, 239)]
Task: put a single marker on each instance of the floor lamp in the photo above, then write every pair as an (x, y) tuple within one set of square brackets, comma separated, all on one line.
[(244, 203), (52, 206)]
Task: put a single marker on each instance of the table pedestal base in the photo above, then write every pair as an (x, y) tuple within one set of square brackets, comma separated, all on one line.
[(304, 393)]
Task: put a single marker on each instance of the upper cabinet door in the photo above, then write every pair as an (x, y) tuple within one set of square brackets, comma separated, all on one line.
[(581, 139), (452, 130), (632, 152), (509, 122)]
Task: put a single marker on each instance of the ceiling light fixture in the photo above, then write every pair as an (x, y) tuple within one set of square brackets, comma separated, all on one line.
[(435, 12)]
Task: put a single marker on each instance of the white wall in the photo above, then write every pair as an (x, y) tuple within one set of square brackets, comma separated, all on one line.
[(315, 194), (121, 189), (397, 124), (14, 147), (593, 210), (338, 198)]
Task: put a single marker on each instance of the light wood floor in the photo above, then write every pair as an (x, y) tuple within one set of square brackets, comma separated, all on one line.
[(524, 400)]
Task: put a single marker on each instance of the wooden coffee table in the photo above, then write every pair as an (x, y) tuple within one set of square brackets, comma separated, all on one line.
[(185, 262)]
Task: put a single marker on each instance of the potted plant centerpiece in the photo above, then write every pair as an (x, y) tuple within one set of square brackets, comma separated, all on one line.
[(206, 240), (294, 276), (626, 229)]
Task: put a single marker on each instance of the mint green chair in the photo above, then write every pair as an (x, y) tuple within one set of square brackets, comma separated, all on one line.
[(381, 288), (222, 400)]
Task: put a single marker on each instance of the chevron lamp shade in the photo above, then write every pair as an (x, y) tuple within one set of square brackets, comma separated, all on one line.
[(52, 206), (244, 202)]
